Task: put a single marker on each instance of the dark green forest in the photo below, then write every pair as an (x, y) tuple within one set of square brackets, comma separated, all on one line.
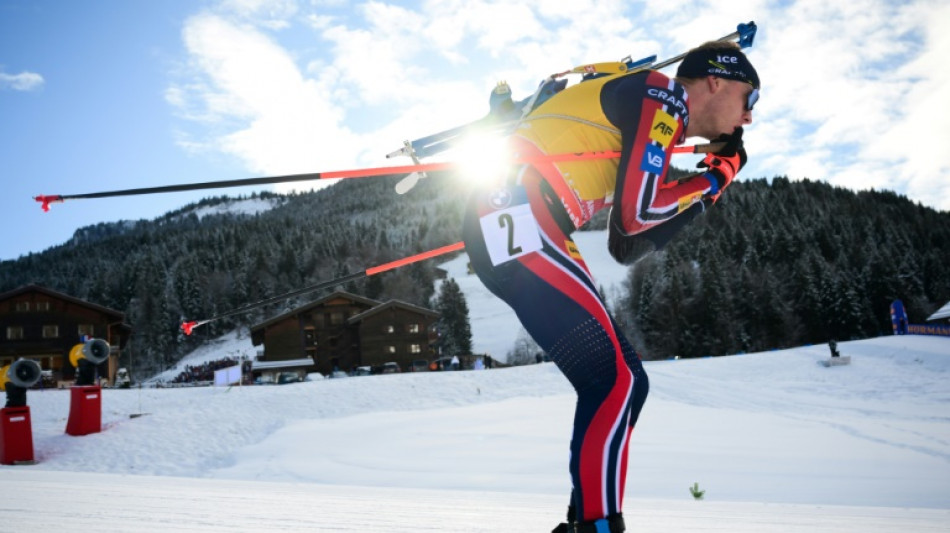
[(774, 264), (786, 264)]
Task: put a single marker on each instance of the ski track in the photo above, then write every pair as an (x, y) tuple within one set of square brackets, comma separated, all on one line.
[(779, 442), (131, 504)]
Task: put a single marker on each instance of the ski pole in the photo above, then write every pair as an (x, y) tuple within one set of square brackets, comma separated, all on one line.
[(188, 326), (46, 200)]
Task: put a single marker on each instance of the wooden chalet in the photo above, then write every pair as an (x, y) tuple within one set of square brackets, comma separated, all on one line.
[(343, 331), (43, 325)]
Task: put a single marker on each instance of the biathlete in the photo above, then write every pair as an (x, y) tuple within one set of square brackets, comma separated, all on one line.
[(518, 236)]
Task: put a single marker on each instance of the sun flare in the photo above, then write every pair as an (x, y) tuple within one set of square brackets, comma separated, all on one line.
[(482, 159)]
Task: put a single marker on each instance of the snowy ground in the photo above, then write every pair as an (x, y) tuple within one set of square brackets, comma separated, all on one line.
[(779, 443)]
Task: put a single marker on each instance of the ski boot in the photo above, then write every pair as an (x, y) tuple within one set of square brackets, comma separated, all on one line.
[(567, 527), (611, 524)]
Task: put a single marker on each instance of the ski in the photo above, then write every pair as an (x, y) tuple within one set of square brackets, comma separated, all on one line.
[(505, 115)]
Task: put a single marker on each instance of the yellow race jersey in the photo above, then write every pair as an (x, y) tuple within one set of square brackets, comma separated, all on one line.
[(642, 114)]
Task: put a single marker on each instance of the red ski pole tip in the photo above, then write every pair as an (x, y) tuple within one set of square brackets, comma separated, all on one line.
[(188, 326), (46, 200)]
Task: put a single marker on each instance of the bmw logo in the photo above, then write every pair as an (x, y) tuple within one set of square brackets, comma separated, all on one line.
[(500, 198)]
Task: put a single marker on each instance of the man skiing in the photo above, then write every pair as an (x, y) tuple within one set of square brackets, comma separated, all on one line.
[(517, 235)]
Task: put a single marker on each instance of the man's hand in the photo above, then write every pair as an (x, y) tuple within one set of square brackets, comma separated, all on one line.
[(726, 163)]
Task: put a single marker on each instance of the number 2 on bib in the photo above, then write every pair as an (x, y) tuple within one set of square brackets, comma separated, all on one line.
[(510, 233)]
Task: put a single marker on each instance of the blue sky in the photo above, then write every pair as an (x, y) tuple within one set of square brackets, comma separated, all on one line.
[(111, 94)]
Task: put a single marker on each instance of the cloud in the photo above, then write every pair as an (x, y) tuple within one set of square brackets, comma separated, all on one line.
[(24, 81), (254, 103), (271, 14), (852, 92), (920, 131)]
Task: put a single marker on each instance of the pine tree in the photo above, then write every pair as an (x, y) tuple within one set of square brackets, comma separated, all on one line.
[(455, 332)]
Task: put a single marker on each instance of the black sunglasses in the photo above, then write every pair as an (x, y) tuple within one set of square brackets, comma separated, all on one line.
[(751, 99)]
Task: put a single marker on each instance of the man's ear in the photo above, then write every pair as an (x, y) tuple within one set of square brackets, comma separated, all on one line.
[(713, 84)]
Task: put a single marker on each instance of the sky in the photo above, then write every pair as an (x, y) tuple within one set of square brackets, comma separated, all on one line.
[(107, 95)]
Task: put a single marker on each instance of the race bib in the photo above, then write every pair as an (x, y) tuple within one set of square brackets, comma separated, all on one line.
[(511, 232)]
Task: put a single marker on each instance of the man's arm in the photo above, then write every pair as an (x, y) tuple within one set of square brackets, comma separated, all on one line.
[(628, 249), (651, 113)]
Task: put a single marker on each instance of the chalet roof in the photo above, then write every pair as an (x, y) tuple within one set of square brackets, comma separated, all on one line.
[(943, 312), (61, 296), (322, 301), (389, 305)]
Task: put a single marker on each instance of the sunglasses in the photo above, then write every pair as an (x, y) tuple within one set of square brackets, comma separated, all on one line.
[(751, 99)]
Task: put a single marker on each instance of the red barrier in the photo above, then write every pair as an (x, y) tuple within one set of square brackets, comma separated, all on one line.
[(16, 435), (85, 411)]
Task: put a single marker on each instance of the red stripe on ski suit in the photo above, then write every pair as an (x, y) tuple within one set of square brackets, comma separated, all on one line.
[(611, 418)]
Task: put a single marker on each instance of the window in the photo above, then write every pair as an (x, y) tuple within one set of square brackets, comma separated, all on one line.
[(51, 331), (42, 306), (415, 348), (22, 306), (14, 333), (389, 328), (414, 328), (336, 318), (87, 329), (390, 349)]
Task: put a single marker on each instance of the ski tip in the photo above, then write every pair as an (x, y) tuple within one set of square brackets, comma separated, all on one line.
[(746, 33)]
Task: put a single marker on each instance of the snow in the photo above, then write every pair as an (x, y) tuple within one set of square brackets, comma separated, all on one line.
[(943, 312), (778, 441), (248, 206)]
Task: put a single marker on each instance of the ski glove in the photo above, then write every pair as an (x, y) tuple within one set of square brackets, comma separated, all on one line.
[(726, 163)]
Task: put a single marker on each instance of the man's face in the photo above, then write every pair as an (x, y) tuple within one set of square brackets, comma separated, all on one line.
[(729, 106)]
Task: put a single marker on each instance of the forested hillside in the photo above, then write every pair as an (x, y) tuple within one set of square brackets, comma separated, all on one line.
[(180, 267), (787, 264), (773, 265)]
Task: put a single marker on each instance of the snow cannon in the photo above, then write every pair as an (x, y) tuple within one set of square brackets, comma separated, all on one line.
[(21, 373), (16, 428), (85, 356), (85, 407), (94, 350), (16, 377)]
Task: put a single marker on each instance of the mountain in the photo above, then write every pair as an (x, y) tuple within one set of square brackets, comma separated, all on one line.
[(775, 264)]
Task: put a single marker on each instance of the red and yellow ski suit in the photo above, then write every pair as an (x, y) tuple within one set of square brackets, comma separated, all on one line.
[(518, 240)]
